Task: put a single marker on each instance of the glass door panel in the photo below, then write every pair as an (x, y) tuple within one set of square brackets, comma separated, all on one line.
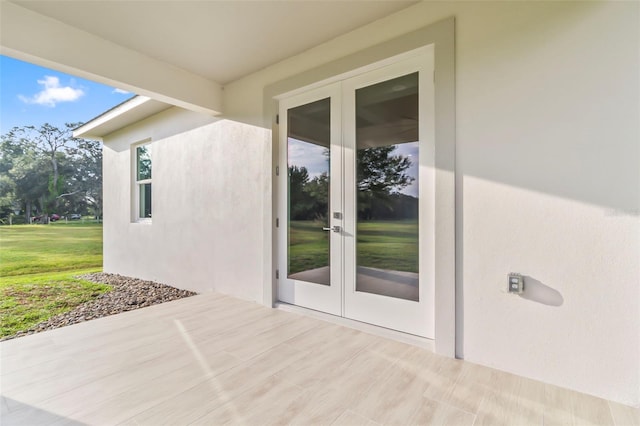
[(309, 213), (388, 139), (356, 205), (308, 152), (387, 188)]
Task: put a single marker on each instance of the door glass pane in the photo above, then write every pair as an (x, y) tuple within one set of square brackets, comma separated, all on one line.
[(308, 142), (387, 188), (143, 154), (145, 200)]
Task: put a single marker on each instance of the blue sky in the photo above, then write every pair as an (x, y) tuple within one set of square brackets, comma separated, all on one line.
[(33, 95)]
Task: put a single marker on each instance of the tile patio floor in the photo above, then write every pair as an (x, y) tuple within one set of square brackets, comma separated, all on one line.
[(213, 359)]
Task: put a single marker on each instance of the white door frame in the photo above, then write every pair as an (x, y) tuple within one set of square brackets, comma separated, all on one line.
[(340, 297), (312, 295), (448, 324), (414, 317)]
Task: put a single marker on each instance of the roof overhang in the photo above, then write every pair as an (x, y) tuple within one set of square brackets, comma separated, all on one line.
[(178, 52), (133, 110)]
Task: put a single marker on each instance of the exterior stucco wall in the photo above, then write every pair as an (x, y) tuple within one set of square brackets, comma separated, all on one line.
[(206, 229), (548, 183)]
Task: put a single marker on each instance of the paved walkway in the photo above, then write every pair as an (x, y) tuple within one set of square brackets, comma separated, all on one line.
[(212, 359)]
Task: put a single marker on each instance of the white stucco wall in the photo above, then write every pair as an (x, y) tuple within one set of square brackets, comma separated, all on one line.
[(548, 183), (206, 230)]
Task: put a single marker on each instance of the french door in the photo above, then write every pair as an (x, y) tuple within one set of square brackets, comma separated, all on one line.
[(356, 211)]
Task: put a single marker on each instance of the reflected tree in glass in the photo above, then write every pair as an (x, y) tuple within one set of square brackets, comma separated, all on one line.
[(143, 180), (387, 188), (308, 140), (144, 162)]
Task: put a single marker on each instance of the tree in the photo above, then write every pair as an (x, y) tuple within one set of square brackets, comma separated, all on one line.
[(51, 141), (27, 170), (89, 174), (299, 200), (308, 198), (317, 190), (8, 153), (380, 175), (50, 171), (7, 195)]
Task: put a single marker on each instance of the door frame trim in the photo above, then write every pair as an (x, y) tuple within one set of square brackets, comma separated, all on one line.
[(442, 35)]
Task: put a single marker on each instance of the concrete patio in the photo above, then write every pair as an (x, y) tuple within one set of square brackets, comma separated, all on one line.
[(213, 359)]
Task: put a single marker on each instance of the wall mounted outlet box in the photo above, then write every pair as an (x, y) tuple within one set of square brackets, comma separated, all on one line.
[(516, 283)]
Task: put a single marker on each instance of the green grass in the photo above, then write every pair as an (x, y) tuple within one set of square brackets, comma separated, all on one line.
[(33, 249), (28, 300), (38, 265), (381, 244), (308, 246), (389, 245)]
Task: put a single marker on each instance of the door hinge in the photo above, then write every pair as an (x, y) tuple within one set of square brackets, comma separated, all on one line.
[(277, 118), (277, 222), (277, 170), (277, 273)]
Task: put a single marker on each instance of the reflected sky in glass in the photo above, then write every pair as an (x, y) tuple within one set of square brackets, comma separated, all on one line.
[(410, 150), (308, 155)]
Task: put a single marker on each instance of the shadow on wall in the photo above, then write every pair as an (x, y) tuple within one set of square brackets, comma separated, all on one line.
[(536, 291)]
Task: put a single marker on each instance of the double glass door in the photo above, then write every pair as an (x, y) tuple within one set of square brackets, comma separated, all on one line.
[(356, 188)]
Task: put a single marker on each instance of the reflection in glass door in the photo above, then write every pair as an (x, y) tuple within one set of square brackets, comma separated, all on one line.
[(310, 260), (387, 188), (358, 197), (308, 153)]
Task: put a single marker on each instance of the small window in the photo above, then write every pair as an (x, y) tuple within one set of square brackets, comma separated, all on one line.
[(143, 181)]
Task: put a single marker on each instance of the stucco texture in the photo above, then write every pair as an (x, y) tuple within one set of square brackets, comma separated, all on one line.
[(547, 181)]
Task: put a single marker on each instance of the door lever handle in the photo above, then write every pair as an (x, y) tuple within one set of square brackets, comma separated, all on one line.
[(335, 228)]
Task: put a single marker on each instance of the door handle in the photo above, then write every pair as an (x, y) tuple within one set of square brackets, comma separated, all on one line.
[(334, 228)]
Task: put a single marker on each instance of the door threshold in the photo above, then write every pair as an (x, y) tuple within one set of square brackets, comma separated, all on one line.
[(411, 339)]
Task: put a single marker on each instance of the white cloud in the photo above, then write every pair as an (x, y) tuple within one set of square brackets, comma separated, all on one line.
[(52, 93), (120, 91), (309, 155)]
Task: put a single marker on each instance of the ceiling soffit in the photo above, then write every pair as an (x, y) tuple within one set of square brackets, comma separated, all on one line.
[(219, 40)]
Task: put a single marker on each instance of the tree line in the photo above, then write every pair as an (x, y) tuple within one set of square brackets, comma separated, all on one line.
[(45, 170), (381, 175)]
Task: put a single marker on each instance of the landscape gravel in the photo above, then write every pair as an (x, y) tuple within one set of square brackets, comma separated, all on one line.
[(127, 294)]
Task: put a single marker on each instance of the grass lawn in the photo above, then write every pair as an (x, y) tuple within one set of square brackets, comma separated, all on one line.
[(37, 268), (389, 245), (308, 246), (32, 249), (30, 299)]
